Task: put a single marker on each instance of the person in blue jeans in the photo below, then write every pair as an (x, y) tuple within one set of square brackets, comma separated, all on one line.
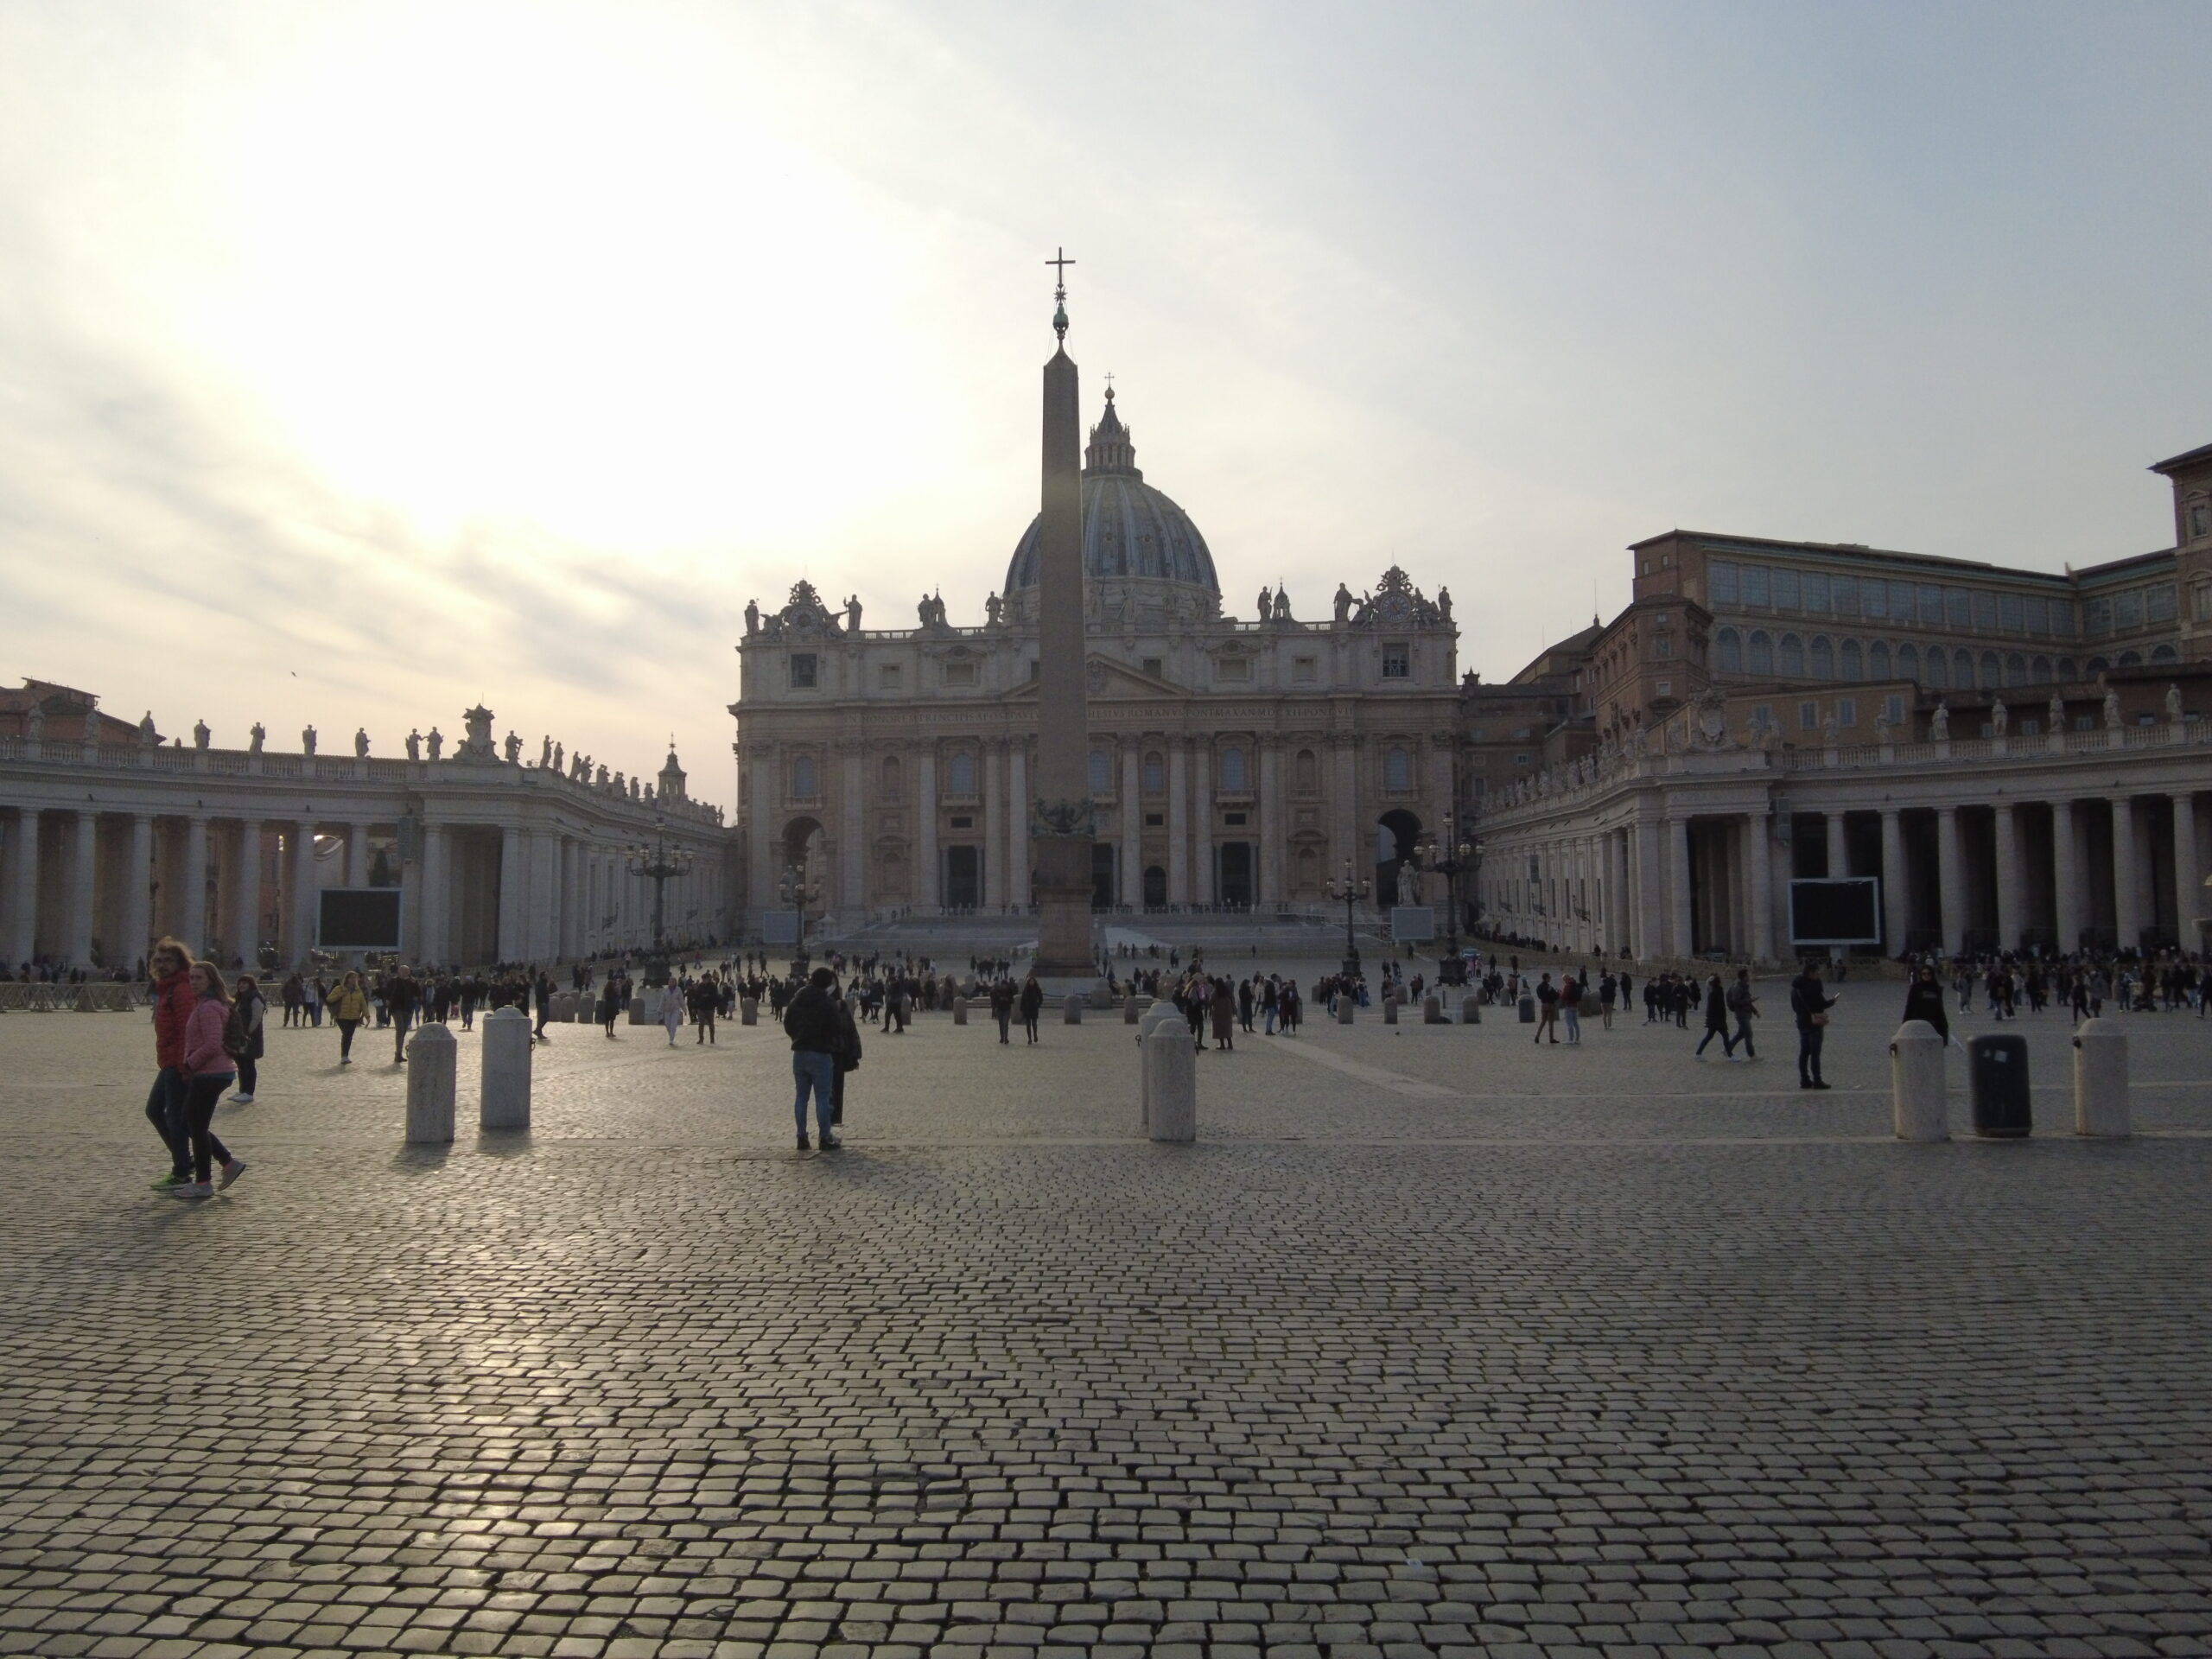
[(811, 1021)]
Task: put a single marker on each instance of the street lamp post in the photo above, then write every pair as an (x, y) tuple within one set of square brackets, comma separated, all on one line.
[(1458, 856), (798, 890), (1350, 889), (658, 864)]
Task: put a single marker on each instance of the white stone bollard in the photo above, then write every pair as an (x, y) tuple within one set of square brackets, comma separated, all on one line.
[(1347, 1008), (1389, 1009), (1129, 1010), (959, 1010), (2100, 1103), (1171, 1070), (1072, 1010), (1471, 1011), (1431, 1011), (1916, 1080), (637, 1014), (503, 1100), (432, 1058), (748, 1010)]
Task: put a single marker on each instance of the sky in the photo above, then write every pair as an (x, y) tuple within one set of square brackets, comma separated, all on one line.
[(361, 362)]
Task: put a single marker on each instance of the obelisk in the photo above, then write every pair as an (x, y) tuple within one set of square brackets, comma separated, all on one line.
[(1059, 816)]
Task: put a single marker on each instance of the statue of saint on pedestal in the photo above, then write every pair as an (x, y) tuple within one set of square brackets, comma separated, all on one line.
[(437, 742), (415, 744), (361, 743), (257, 737), (307, 739)]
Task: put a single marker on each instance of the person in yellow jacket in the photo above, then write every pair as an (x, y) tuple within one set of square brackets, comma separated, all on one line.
[(349, 1007)]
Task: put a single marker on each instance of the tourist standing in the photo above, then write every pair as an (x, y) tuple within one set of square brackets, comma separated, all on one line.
[(249, 1008), (610, 1005), (210, 1071), (170, 965), (810, 1022), (1033, 1000), (1002, 1004), (349, 1007), (1924, 1000), (671, 1010), (1547, 1009), (1570, 1007), (1810, 1002)]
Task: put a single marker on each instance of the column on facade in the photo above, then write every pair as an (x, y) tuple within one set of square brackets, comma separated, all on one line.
[(2189, 896), (1132, 861), (2065, 876), (137, 890), (22, 889), (572, 897), (514, 893), (1202, 822), (1648, 887), (1683, 940), (1894, 891), (1758, 835), (1621, 926), (194, 879), (245, 893), (356, 854), (2010, 897), (763, 822), (1839, 846), (1270, 873), (852, 854), (431, 944), (1950, 877), (926, 891), (1179, 822), (83, 860), (1017, 822), (994, 832), (1345, 794), (299, 894), (2127, 909), (542, 923)]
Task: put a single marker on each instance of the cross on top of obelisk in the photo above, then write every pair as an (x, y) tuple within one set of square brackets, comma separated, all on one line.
[(1060, 262)]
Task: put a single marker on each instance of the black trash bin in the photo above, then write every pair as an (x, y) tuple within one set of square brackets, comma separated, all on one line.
[(1997, 1078), (1528, 1010)]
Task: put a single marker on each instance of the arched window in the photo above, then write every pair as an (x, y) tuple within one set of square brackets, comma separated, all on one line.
[(2039, 671), (1823, 658), (1793, 658), (892, 778), (1878, 661), (2067, 671), (1909, 663), (1993, 671), (2016, 669), (960, 775), (1397, 769), (1234, 774), (1761, 653), (1102, 773), (1962, 669), (1156, 774), (1730, 644), (1939, 668), (2131, 659), (1852, 664), (2098, 665), (1307, 770), (2164, 654), (803, 777)]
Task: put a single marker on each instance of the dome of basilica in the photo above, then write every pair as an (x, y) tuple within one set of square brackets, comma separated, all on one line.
[(1129, 529)]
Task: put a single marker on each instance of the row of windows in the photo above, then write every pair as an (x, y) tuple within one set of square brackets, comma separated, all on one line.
[(2124, 613), (1928, 605), (1761, 655), (1233, 767), (804, 669)]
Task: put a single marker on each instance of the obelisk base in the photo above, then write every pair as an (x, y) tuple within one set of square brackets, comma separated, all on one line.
[(1062, 864)]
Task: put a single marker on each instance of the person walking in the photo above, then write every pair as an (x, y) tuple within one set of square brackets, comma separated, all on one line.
[(1547, 1009), (170, 965), (1810, 1002), (1570, 1009), (210, 1071), (1002, 1004), (1033, 1000), (1224, 1015), (704, 1001), (1746, 1008), (402, 996), (249, 1009), (811, 1021), (348, 1008), (671, 1010), (1716, 1022)]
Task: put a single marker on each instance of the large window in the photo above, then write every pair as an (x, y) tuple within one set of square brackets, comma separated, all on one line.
[(2016, 669), (1786, 597), (960, 774), (1397, 769), (803, 779), (2162, 602), (2012, 614), (2037, 616), (1816, 592), (1985, 612), (1102, 773), (803, 671), (1909, 663), (1793, 658), (1156, 774), (1939, 669), (1958, 608), (1843, 595), (1823, 659), (1878, 661), (1307, 772), (1235, 774), (1730, 645), (1762, 654), (1931, 606), (1850, 662), (2127, 609), (1397, 660), (1754, 586), (1962, 669), (1721, 574)]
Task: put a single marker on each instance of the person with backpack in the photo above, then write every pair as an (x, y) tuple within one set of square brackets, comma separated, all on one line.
[(242, 1041), (209, 1070), (1746, 1008)]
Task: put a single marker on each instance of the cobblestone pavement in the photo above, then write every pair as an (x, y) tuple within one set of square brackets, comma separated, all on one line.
[(1436, 1342)]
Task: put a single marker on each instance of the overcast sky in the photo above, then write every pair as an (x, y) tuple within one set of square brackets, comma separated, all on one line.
[(357, 362)]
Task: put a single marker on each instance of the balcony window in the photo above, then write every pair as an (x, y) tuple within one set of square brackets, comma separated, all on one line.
[(803, 671), (1397, 660)]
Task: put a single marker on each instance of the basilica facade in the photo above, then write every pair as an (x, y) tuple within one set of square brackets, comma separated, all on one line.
[(1234, 762)]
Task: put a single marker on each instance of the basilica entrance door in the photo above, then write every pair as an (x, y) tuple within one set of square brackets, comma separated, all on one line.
[(963, 876), (1235, 873), (1102, 860)]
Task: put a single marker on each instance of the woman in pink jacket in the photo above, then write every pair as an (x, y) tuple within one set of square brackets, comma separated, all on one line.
[(210, 1069)]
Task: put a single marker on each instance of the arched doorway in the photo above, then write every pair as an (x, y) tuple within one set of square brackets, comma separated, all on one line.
[(1155, 886), (804, 849), (1395, 832)]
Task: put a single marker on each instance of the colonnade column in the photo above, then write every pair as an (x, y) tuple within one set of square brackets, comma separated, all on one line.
[(137, 890), (572, 897), (1179, 822), (245, 895), (1202, 823), (301, 892), (1268, 876), (1950, 877), (925, 887), (431, 944), (2008, 879), (760, 829), (1757, 831), (1894, 927), (1839, 846), (852, 860), (2065, 876), (1648, 943), (1132, 882), (2189, 895), (82, 859), (1678, 885), (22, 887), (994, 831), (356, 854), (1017, 822), (542, 919), (2127, 910), (513, 894), (195, 877), (1624, 926)]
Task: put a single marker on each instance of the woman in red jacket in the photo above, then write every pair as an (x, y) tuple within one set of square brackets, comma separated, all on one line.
[(173, 1006), (209, 1070)]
